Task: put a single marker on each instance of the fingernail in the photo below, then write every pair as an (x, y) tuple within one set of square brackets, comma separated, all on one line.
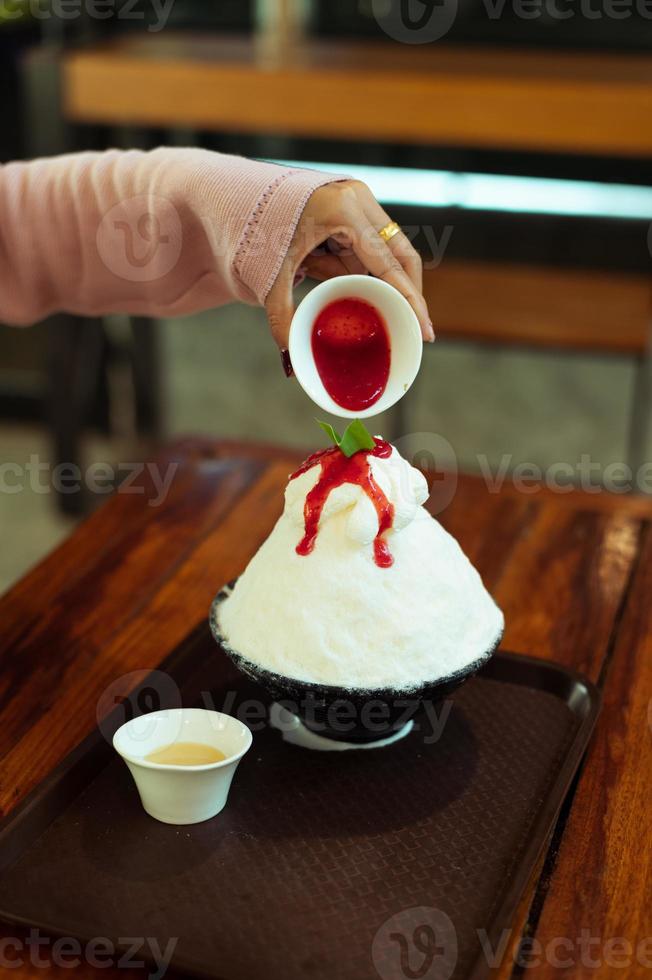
[(334, 246), (287, 363), (431, 331), (300, 275)]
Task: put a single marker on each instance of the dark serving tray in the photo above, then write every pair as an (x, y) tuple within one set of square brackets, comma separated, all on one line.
[(387, 863)]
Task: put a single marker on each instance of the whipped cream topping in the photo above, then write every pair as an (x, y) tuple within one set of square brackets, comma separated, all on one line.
[(334, 616), (403, 485)]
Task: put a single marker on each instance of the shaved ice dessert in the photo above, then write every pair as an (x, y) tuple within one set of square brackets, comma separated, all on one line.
[(358, 588)]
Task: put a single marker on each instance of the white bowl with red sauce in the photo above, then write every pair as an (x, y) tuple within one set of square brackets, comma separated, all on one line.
[(355, 346)]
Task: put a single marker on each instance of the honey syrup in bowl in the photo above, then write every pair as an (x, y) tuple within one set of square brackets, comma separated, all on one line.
[(186, 754), (183, 760)]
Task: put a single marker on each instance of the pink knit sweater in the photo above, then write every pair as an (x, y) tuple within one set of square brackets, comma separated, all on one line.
[(164, 233)]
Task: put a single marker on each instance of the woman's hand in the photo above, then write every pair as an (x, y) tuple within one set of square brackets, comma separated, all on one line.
[(348, 216)]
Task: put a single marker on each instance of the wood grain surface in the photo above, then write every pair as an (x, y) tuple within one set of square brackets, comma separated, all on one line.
[(573, 573), (570, 309), (596, 919), (481, 97)]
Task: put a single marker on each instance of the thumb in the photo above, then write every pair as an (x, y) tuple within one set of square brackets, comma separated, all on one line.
[(279, 307)]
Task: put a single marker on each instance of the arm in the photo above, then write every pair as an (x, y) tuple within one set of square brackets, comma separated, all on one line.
[(175, 231), (163, 233)]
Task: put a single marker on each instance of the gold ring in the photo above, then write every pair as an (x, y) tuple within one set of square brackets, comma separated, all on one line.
[(389, 231)]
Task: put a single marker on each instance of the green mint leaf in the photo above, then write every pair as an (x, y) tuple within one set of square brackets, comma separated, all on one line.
[(330, 431), (355, 437)]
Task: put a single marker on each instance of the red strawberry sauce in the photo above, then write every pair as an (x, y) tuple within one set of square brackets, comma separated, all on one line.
[(351, 348), (336, 469)]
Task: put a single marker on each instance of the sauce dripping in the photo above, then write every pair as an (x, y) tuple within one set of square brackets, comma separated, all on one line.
[(336, 469), (352, 353)]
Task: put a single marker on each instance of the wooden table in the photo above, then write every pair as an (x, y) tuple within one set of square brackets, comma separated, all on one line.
[(573, 573)]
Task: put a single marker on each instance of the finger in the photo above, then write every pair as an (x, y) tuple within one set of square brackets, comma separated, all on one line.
[(324, 266), (399, 244), (340, 245), (381, 262), (279, 305), (352, 264)]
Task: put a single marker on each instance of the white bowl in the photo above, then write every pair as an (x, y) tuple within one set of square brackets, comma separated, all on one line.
[(402, 326), (182, 794)]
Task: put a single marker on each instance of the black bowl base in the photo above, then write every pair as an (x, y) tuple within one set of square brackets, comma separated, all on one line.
[(296, 732)]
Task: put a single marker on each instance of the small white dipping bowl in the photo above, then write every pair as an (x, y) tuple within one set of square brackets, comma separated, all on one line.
[(182, 794), (402, 326)]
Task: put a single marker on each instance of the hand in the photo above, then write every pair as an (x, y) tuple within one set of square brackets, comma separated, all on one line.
[(345, 213)]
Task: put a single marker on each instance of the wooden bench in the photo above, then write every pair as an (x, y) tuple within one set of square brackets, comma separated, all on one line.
[(499, 303), (420, 94)]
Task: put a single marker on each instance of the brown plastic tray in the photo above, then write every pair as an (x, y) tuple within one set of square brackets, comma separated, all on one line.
[(323, 865)]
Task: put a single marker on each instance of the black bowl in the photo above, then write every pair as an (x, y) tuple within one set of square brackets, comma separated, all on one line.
[(345, 714)]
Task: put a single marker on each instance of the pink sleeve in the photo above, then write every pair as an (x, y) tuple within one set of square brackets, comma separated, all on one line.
[(168, 232)]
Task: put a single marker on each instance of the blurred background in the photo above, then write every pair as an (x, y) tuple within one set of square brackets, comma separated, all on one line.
[(512, 137)]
